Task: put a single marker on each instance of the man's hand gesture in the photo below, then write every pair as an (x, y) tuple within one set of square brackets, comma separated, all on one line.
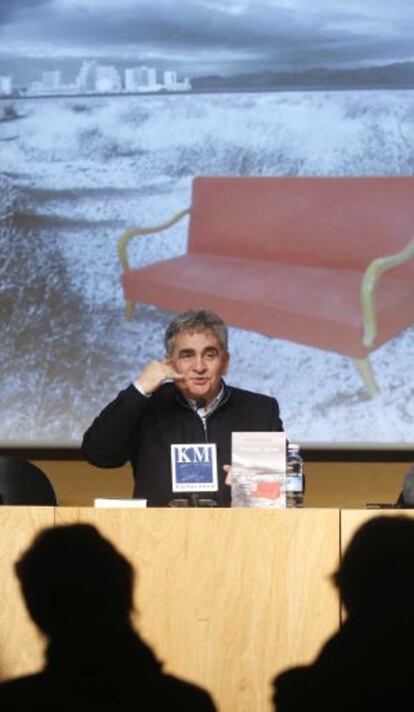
[(155, 373)]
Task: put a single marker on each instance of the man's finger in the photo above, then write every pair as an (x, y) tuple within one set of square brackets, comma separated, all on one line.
[(170, 371), (228, 469), (175, 375)]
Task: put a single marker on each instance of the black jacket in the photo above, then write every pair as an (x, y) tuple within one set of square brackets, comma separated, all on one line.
[(140, 430), (105, 673), (366, 667)]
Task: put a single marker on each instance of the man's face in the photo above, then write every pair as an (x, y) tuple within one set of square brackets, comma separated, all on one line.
[(200, 357)]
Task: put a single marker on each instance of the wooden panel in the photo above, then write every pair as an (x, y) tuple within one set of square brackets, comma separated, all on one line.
[(352, 519), (77, 483), (21, 646), (227, 598), (352, 484), (328, 484)]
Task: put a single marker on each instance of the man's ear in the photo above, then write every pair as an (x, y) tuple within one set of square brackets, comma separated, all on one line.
[(226, 363)]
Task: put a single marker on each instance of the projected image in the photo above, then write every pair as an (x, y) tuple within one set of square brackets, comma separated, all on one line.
[(105, 120)]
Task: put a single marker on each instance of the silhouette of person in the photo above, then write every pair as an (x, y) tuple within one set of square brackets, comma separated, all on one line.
[(78, 590), (368, 665)]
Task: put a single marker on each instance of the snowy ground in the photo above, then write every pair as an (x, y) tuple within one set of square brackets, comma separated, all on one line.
[(75, 172)]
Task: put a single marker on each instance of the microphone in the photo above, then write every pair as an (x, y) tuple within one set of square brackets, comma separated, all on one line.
[(408, 488), (195, 500)]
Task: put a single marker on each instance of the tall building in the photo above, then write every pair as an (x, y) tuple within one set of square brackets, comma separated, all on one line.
[(170, 77), (147, 76), (107, 79), (87, 76), (102, 78), (141, 78), (6, 85), (130, 81)]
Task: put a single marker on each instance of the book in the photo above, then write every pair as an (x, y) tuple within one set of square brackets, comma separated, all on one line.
[(258, 469), (194, 467)]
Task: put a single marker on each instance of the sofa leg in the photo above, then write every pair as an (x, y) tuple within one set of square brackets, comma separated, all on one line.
[(367, 375), (129, 309)]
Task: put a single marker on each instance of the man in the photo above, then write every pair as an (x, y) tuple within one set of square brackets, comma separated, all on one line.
[(367, 665), (180, 399), (78, 589)]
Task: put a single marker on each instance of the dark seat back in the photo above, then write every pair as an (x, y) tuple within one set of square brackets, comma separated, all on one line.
[(23, 483)]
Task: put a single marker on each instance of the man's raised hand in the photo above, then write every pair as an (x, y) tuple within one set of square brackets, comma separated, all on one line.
[(155, 373)]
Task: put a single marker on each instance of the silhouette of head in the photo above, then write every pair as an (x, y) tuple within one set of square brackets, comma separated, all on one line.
[(377, 572), (72, 579)]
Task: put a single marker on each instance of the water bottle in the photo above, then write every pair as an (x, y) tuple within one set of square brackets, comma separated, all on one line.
[(295, 479)]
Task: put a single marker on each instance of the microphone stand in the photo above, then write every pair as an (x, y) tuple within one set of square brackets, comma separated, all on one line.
[(199, 404)]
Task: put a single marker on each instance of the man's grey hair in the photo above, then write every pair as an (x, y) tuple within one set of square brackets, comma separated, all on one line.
[(196, 320)]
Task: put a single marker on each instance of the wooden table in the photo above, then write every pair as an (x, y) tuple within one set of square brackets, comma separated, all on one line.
[(227, 598)]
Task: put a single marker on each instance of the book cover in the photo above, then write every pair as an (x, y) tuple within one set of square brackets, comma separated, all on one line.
[(258, 470), (194, 467)]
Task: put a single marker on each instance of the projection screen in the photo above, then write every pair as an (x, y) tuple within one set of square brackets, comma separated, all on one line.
[(107, 113)]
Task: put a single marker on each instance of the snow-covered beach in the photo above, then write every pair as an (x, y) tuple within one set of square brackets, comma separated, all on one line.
[(74, 172)]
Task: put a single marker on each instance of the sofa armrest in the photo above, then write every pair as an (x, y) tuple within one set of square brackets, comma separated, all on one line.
[(369, 281), (134, 231)]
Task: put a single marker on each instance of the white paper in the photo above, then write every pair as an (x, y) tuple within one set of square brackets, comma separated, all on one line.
[(112, 503)]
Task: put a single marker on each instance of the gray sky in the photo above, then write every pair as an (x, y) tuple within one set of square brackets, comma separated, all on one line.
[(210, 36)]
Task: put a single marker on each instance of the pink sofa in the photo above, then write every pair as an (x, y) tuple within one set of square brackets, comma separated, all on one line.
[(326, 262)]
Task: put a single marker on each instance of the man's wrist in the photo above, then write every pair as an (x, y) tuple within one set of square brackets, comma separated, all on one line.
[(140, 389)]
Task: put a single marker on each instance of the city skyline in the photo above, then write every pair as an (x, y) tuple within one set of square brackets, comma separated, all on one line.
[(206, 36), (98, 78)]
